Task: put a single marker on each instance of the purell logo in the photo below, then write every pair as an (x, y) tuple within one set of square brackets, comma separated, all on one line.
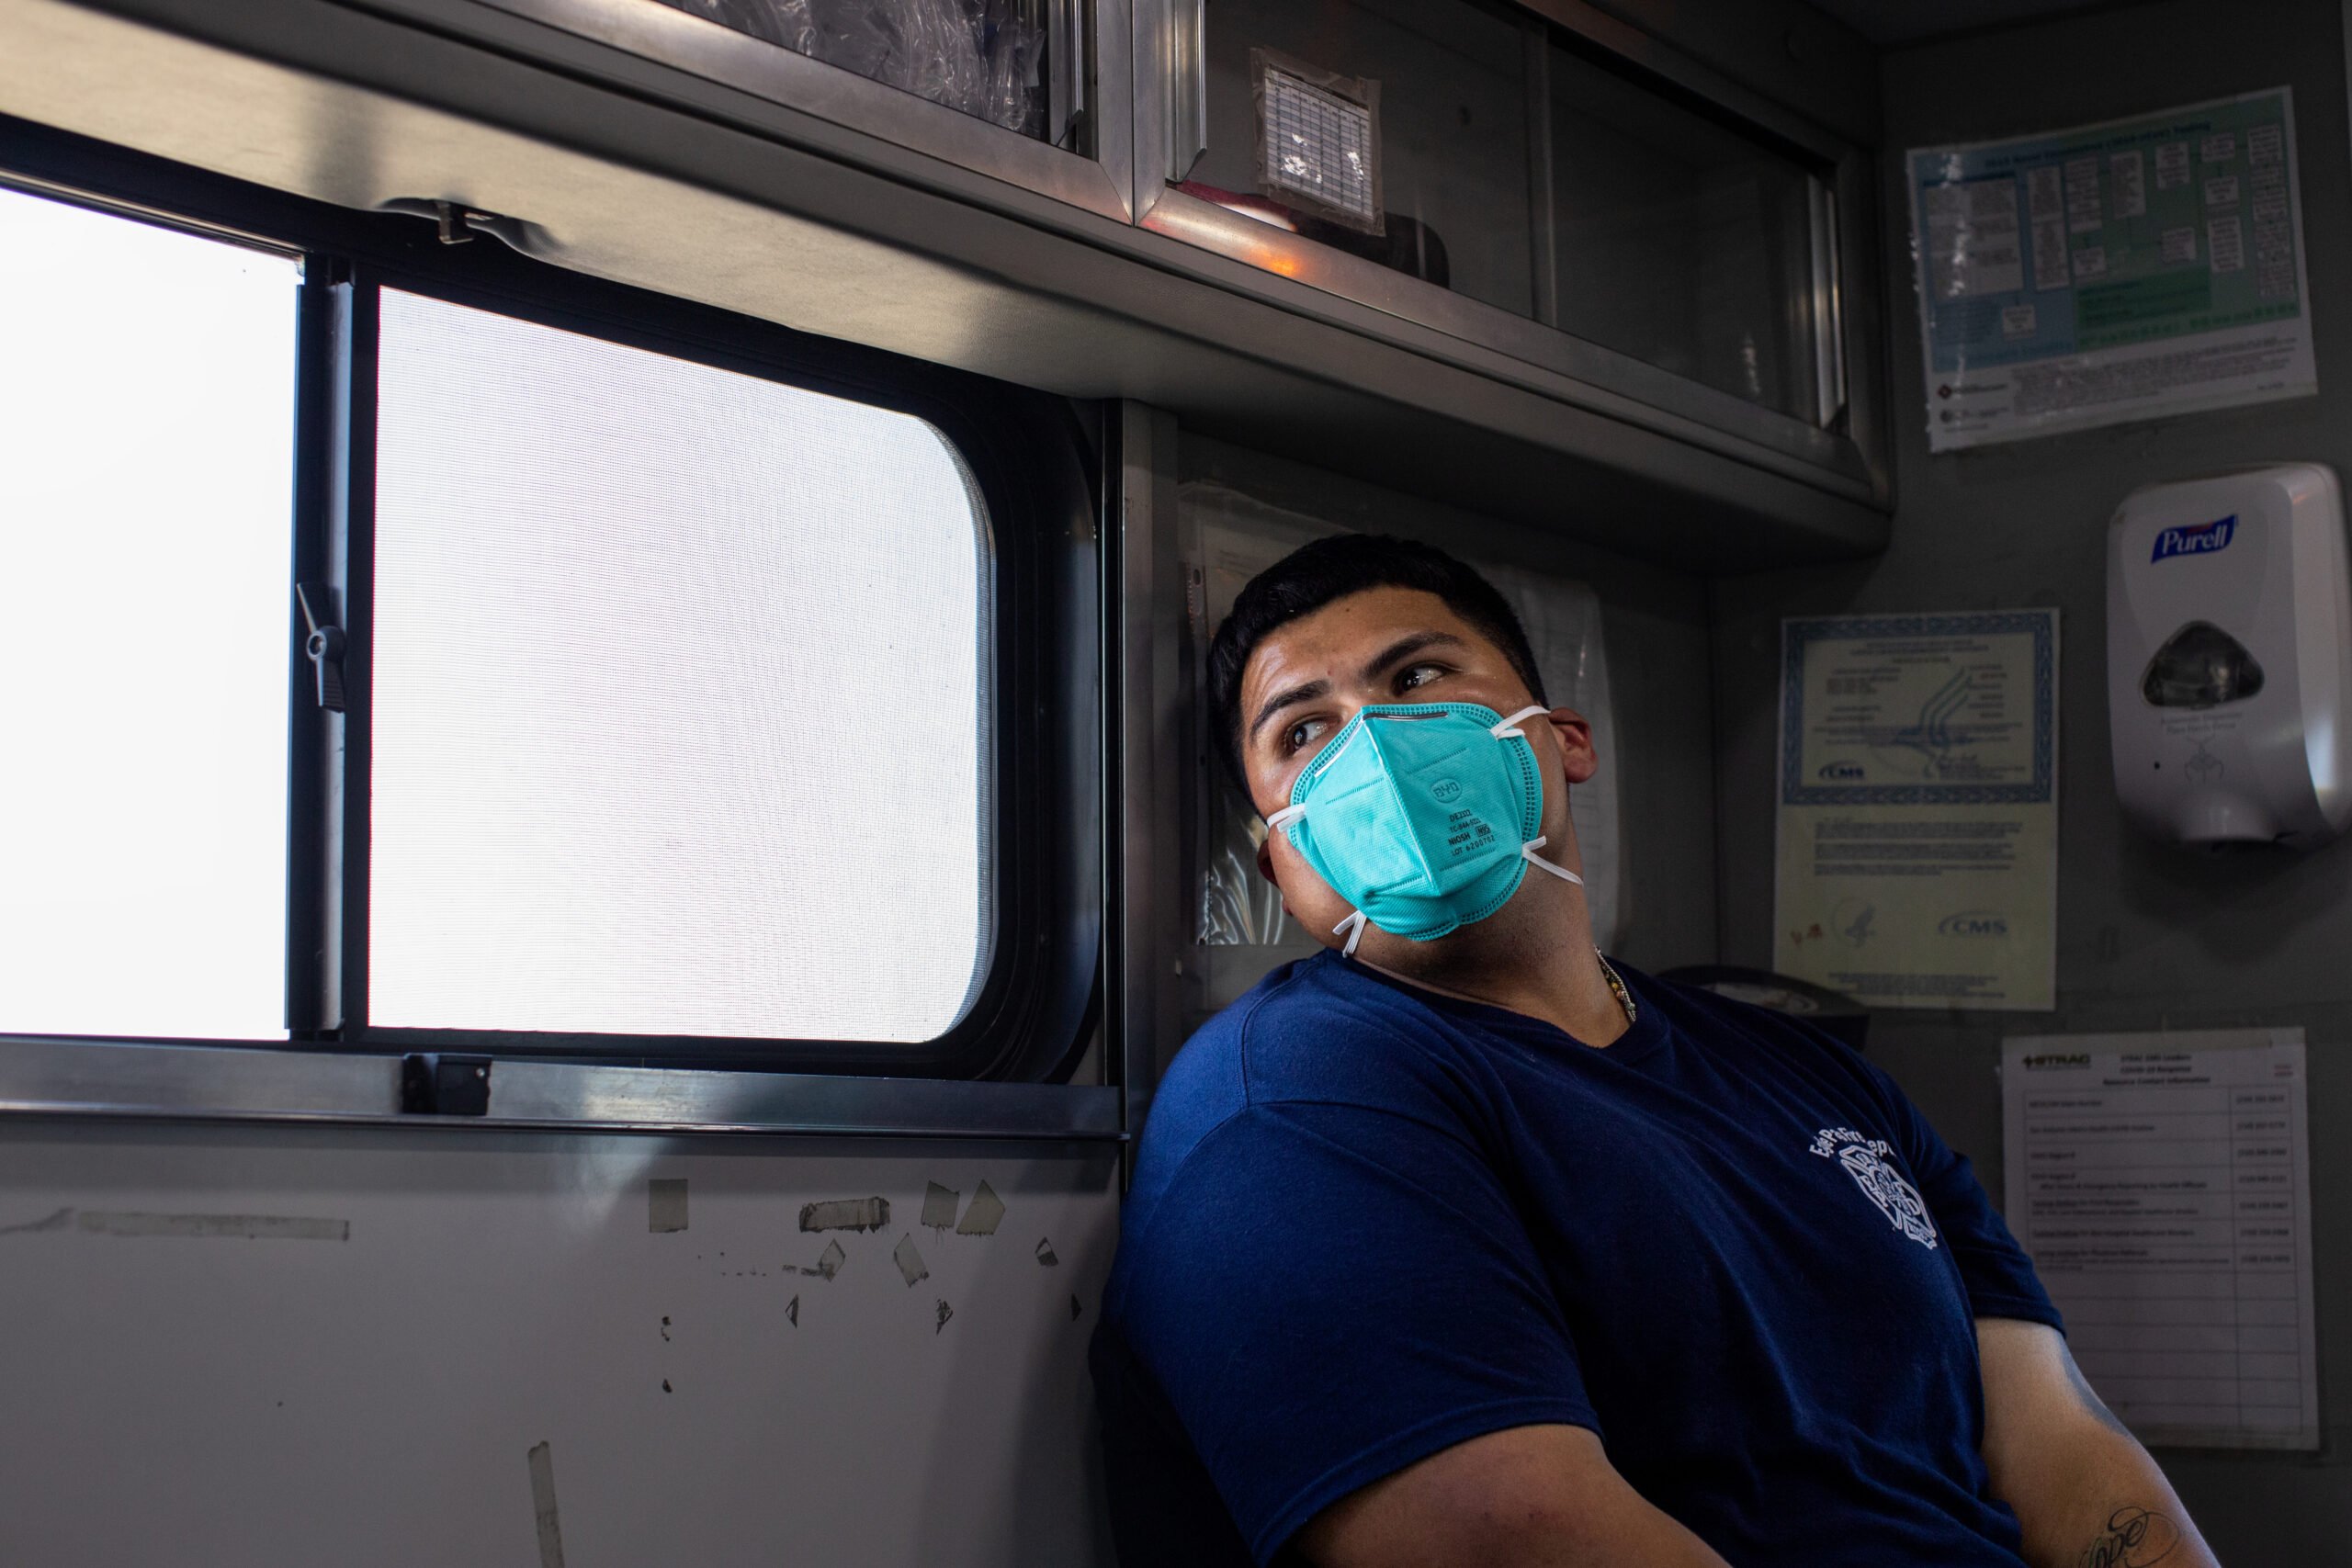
[(2203, 540)]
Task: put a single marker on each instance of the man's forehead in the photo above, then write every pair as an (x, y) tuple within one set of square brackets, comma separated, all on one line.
[(1348, 630)]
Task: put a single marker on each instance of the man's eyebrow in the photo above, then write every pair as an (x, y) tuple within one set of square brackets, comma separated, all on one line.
[(1405, 648), (1290, 699)]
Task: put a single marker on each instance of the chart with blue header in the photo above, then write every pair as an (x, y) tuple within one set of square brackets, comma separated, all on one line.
[(2128, 270)]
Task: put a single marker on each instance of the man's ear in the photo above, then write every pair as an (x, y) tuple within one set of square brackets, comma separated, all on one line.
[(1266, 869), (1573, 731)]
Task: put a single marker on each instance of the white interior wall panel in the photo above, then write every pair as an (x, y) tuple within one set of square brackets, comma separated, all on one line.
[(284, 1345)]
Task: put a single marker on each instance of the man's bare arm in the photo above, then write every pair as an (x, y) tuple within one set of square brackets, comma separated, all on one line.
[(2085, 1493), (1526, 1497)]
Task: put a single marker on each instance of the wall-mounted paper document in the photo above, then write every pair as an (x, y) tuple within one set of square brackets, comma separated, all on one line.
[(2120, 271), (2161, 1183), (1918, 808)]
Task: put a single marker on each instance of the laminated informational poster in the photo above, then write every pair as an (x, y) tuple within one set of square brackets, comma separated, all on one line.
[(2161, 1183), (1918, 810), (2121, 271)]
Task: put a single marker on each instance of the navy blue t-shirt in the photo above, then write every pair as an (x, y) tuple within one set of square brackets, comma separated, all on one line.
[(1369, 1222)]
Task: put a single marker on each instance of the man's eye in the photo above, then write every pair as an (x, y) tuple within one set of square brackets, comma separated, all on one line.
[(1302, 734), (1418, 675)]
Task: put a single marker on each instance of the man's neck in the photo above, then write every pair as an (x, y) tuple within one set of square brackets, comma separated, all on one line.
[(1535, 956)]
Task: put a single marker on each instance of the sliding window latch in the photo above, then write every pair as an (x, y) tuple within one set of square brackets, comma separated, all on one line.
[(458, 223), (325, 644), (437, 1083)]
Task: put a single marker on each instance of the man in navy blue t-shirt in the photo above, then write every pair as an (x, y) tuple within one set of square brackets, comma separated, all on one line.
[(1457, 1244)]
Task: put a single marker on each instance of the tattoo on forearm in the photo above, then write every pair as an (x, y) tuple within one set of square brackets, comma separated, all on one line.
[(2134, 1537)]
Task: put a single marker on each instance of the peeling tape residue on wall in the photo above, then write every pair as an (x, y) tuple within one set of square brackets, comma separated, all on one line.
[(983, 1215), (911, 1267), (846, 1214), (665, 1204)]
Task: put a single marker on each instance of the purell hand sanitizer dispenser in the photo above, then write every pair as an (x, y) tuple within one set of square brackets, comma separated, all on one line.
[(2229, 658)]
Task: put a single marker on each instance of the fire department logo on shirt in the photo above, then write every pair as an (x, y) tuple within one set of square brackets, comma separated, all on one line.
[(1865, 1160)]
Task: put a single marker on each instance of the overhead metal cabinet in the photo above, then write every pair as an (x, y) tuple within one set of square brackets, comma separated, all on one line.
[(1553, 184), (1557, 186)]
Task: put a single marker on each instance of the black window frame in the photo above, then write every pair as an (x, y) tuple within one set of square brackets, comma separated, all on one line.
[(1037, 461)]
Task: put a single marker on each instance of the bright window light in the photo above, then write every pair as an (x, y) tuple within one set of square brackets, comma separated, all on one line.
[(681, 704), (146, 462)]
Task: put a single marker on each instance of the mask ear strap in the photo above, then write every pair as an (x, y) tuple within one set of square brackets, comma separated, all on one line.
[(1285, 817), (1505, 728), (1353, 925), (1527, 852)]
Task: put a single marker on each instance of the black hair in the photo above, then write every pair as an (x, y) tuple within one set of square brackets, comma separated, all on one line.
[(1328, 568)]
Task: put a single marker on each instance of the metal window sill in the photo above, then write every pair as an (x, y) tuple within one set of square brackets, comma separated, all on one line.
[(47, 1075)]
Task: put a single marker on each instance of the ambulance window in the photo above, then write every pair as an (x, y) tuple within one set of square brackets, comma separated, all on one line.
[(681, 697), (411, 648), (146, 463)]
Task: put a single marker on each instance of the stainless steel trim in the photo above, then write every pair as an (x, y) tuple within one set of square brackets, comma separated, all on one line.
[(1153, 763), (1860, 317), (69, 197), (1828, 326), (652, 30), (1535, 43), (86, 1077), (1820, 306), (1835, 250), (1110, 75), (1064, 25), (1612, 383), (1187, 34), (1150, 95)]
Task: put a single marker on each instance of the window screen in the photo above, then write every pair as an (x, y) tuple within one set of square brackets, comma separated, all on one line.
[(681, 701), (146, 468)]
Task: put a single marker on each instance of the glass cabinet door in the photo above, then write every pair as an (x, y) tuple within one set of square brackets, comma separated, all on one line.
[(1685, 244), (988, 59), (1481, 167), (1452, 117), (1007, 88)]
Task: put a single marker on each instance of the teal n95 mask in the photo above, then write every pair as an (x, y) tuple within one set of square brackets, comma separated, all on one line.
[(1423, 816)]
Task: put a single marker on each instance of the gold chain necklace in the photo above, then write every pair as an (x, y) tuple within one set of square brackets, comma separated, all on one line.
[(1617, 987)]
